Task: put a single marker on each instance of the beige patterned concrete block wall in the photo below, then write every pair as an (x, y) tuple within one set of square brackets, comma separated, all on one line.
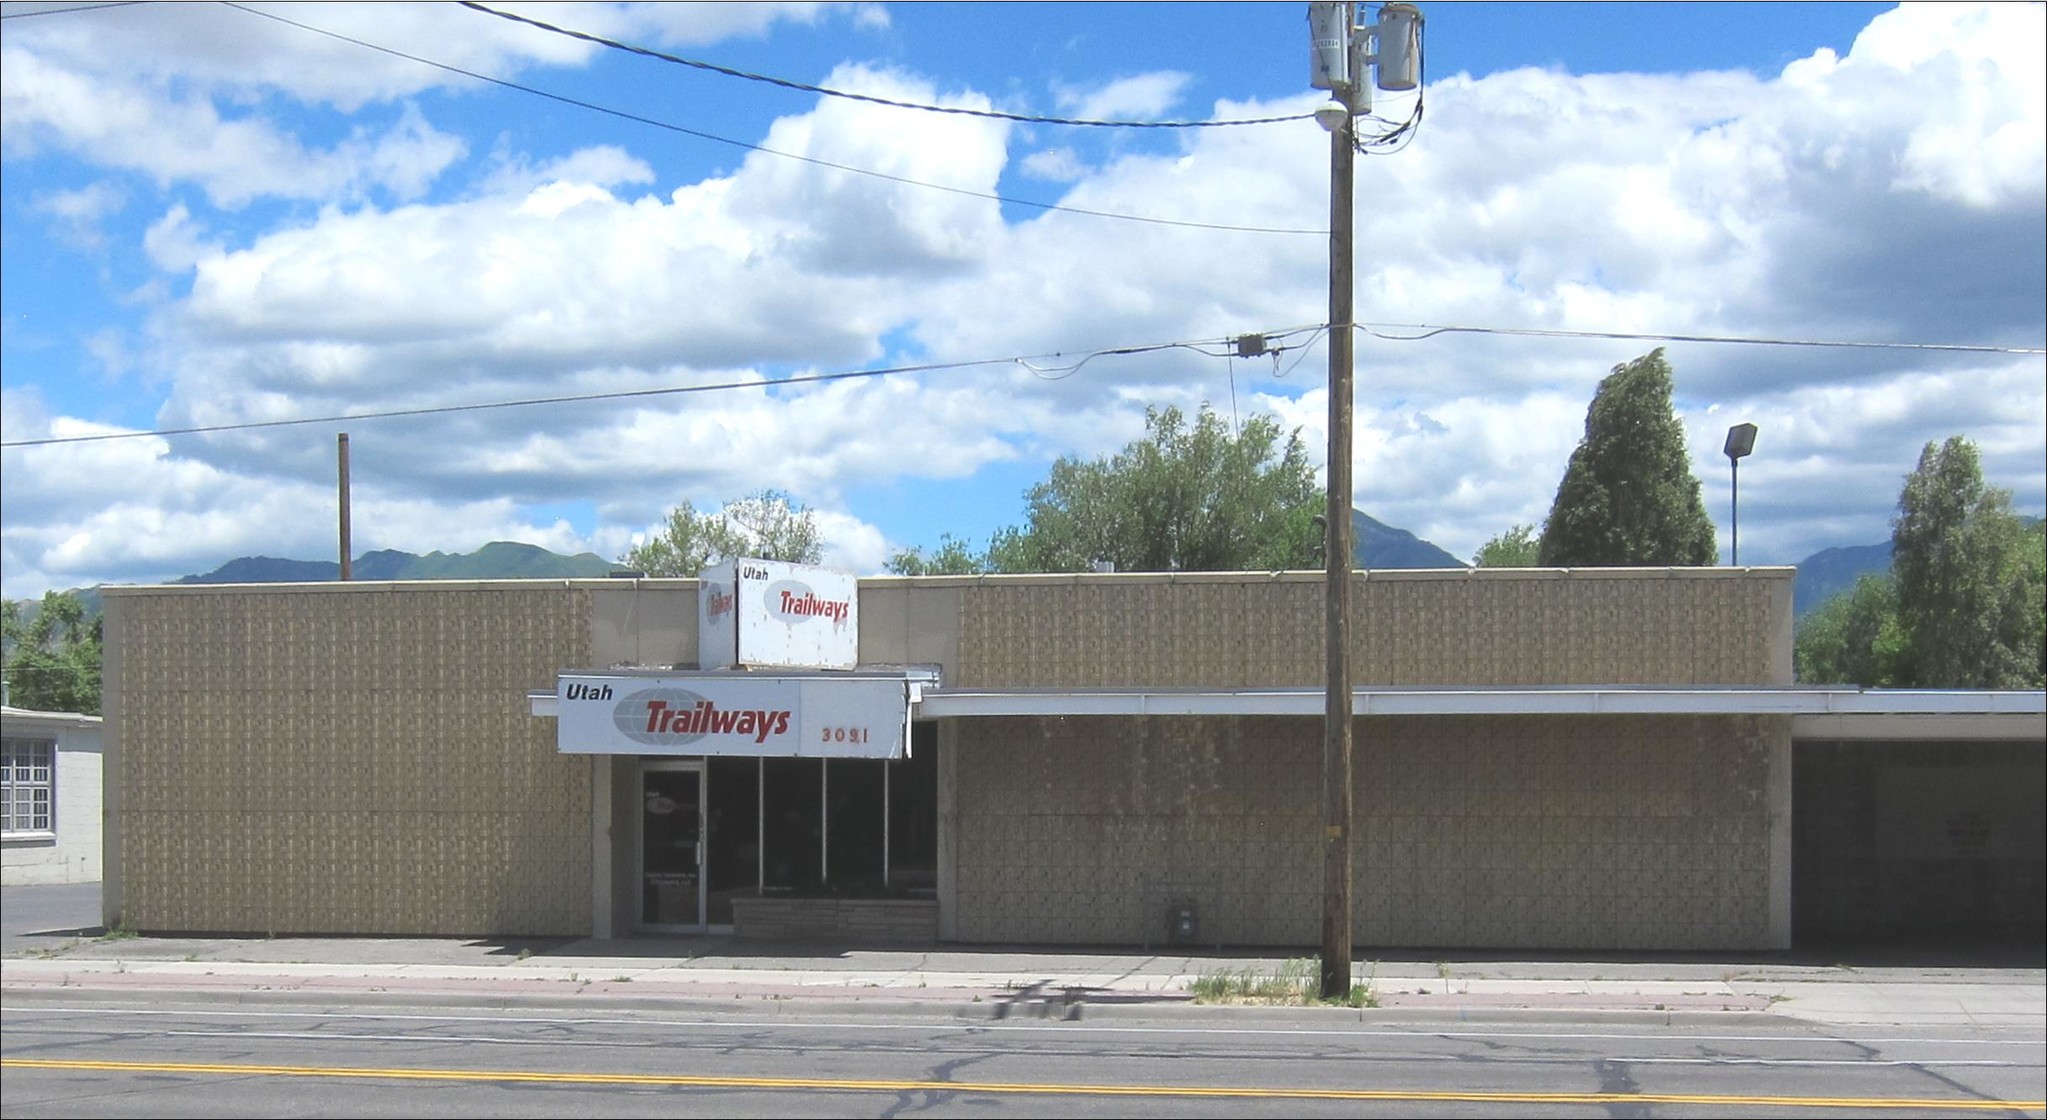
[(348, 758), (1480, 627), (1541, 832)]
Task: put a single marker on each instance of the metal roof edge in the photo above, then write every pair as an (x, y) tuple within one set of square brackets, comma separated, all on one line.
[(1589, 700)]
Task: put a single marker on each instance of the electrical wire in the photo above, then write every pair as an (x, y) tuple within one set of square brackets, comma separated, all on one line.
[(826, 91), (627, 394), (1430, 331), (68, 670), (66, 11), (1049, 207), (1061, 373), (1280, 374), (1045, 372), (1402, 134), (438, 410)]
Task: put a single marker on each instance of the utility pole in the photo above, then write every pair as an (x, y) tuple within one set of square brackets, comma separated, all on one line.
[(1339, 58)]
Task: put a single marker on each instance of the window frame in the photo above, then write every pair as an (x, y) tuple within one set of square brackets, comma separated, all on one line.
[(22, 773)]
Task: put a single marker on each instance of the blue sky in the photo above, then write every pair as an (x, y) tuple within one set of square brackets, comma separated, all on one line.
[(210, 217)]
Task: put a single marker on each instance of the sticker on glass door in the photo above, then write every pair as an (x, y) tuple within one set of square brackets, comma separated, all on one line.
[(671, 848)]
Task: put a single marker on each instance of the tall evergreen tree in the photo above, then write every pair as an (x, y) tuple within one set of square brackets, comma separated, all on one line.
[(1628, 497)]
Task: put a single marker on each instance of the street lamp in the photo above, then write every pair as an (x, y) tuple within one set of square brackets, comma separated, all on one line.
[(1741, 439), (1340, 54)]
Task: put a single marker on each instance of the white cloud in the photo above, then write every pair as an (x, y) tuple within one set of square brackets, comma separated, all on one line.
[(175, 243), (605, 165), (1142, 97), (79, 213), (169, 137), (1890, 193), (1059, 165), (141, 88), (216, 47)]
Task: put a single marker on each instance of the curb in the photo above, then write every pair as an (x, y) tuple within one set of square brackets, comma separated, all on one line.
[(982, 1008)]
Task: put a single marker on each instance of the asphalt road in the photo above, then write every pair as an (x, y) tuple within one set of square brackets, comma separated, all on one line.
[(41, 915), (102, 1055)]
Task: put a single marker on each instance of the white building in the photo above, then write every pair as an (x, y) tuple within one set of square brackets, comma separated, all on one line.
[(51, 798)]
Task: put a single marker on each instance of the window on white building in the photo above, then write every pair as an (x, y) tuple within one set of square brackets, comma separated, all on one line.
[(30, 790)]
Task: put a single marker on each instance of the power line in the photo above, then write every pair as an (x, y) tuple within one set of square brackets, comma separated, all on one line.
[(65, 11), (1431, 331), (1053, 373), (826, 91), (1051, 207), (625, 394), (436, 410)]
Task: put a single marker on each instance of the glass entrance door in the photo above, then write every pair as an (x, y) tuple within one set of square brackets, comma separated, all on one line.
[(671, 845)]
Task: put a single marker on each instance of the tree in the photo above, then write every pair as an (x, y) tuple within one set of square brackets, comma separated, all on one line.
[(770, 526), (1969, 577), (1183, 498), (1515, 548), (765, 526), (953, 558), (54, 663), (1628, 497), (1855, 638)]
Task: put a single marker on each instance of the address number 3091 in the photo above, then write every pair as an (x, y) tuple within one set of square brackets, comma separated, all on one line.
[(842, 734)]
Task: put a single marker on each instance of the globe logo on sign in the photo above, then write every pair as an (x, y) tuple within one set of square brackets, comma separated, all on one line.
[(660, 715)]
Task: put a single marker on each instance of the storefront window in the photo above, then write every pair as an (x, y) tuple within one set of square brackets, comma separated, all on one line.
[(732, 862), (792, 820), (853, 824), (849, 827), (913, 814)]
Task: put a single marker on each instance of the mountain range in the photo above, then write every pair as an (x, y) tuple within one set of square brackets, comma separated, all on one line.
[(1379, 545), (497, 560)]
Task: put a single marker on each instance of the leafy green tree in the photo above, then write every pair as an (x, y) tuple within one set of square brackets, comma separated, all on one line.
[(682, 548), (1855, 638), (954, 557), (766, 526), (1969, 576), (1628, 497), (1186, 497), (54, 659), (1515, 548), (769, 526)]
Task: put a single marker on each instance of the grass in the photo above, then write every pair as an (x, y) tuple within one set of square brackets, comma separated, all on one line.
[(1294, 982)]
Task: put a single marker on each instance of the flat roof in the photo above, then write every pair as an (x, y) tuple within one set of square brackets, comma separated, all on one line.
[(47, 719), (1845, 707)]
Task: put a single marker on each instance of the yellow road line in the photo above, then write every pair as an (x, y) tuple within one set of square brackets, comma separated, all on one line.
[(888, 1086)]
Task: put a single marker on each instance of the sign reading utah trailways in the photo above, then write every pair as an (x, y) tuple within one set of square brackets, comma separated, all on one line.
[(718, 714)]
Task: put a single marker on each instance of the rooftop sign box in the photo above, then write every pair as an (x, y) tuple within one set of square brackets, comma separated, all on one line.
[(765, 614)]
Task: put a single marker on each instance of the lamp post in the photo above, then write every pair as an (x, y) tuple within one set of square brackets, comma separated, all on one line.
[(1341, 52), (1741, 439)]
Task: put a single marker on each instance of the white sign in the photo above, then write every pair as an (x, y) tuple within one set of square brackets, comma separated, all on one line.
[(713, 714), (770, 615)]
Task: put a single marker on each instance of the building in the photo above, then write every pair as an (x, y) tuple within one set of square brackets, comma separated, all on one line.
[(50, 805), (1586, 760)]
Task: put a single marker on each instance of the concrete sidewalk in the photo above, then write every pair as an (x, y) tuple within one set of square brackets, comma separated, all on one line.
[(980, 983)]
